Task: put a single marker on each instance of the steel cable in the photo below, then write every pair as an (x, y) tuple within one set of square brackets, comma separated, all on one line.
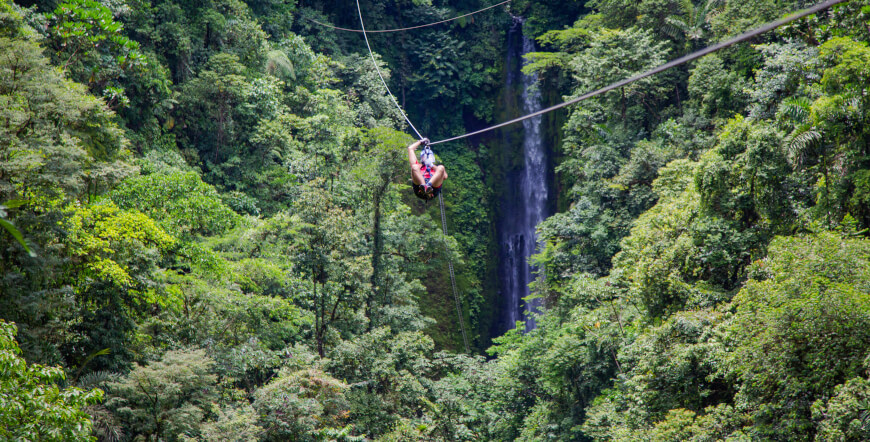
[(440, 199), (452, 275), (408, 28), (685, 59), (363, 26)]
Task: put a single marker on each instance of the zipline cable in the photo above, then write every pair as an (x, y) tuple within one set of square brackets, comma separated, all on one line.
[(687, 58), (452, 275), (409, 28), (363, 26), (440, 199)]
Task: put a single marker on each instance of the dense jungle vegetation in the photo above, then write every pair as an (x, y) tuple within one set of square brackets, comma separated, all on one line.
[(208, 232)]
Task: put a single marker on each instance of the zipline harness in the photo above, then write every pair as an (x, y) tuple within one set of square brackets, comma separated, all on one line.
[(673, 63), (427, 159)]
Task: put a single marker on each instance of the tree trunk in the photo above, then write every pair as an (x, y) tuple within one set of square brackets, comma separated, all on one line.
[(376, 251), (318, 321), (622, 90)]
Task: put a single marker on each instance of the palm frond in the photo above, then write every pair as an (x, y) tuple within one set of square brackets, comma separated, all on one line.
[(796, 109), (675, 27), (603, 131), (800, 141), (279, 65), (688, 7)]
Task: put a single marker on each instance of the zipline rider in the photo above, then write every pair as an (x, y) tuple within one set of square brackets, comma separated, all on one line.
[(427, 177)]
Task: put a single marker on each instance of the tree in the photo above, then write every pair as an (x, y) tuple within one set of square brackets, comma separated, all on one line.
[(180, 201), (718, 90), (692, 24), (9, 227), (34, 407), (616, 54), (212, 105), (167, 398), (113, 245), (302, 405), (812, 293), (601, 137), (328, 253), (59, 146), (89, 43), (388, 369), (238, 424), (61, 140), (846, 415)]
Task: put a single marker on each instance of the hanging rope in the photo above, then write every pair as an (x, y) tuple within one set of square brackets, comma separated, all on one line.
[(452, 276), (440, 199), (409, 28), (685, 59), (363, 26)]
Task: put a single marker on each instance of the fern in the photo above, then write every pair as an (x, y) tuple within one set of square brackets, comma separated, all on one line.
[(97, 378), (105, 424)]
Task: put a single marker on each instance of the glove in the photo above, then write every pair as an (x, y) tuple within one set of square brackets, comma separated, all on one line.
[(424, 141)]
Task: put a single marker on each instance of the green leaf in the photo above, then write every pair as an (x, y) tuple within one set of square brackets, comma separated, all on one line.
[(14, 204), (16, 234)]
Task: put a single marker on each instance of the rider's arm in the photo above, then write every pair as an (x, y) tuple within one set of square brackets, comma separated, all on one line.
[(412, 156)]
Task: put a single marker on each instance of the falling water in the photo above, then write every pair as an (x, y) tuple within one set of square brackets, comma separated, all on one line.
[(525, 204)]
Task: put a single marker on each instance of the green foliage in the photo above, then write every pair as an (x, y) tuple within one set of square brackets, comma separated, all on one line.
[(615, 54), (214, 104), (109, 242), (660, 247), (34, 407), (811, 294), (845, 415), (649, 14), (670, 373), (788, 69), (742, 178), (608, 166), (88, 41), (9, 227), (386, 372), (327, 257), (733, 18), (180, 201), (54, 132), (165, 399), (719, 91), (270, 223), (301, 405), (235, 424), (61, 147)]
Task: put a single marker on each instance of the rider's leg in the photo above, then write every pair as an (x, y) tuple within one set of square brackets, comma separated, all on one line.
[(417, 175), (439, 174)]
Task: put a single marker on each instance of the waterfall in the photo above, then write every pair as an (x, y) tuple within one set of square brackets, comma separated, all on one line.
[(526, 196)]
